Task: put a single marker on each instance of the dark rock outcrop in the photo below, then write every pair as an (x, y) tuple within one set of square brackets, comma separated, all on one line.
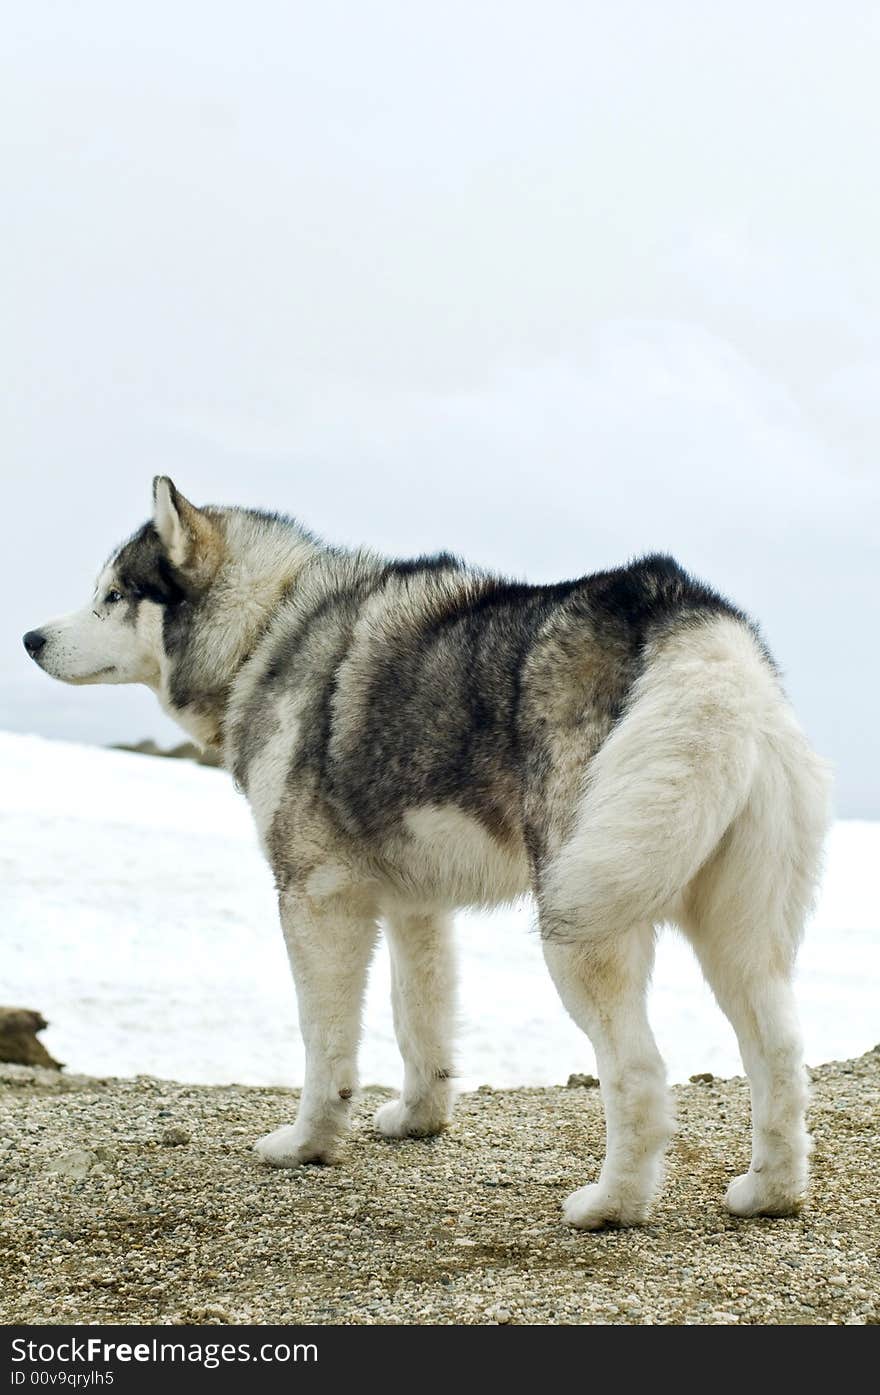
[(187, 750), (18, 1038)]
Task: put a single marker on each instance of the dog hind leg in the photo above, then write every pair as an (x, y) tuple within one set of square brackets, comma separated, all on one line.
[(744, 915), (759, 1002), (603, 981)]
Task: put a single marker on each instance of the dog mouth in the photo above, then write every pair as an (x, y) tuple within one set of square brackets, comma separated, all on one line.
[(90, 677), (75, 679)]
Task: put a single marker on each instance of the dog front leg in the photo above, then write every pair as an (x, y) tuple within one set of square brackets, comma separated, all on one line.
[(330, 944), (423, 997)]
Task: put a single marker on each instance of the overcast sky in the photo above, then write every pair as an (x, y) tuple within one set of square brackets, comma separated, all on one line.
[(548, 284)]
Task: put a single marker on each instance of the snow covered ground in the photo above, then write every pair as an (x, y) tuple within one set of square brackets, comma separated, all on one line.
[(137, 914)]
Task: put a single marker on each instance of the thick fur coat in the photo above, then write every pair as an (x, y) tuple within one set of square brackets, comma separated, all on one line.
[(416, 736)]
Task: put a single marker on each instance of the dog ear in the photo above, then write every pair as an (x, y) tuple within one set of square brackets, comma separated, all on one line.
[(190, 537)]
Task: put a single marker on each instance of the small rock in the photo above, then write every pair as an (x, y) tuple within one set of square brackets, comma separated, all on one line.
[(588, 1082), (704, 1077), (175, 1138), (501, 1315), (77, 1164)]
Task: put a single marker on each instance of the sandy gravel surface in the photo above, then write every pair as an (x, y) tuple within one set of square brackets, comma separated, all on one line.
[(141, 1201)]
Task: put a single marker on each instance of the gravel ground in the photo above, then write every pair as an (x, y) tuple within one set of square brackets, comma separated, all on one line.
[(141, 1201)]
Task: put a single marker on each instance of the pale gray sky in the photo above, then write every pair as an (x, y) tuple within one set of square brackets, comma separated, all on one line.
[(547, 284)]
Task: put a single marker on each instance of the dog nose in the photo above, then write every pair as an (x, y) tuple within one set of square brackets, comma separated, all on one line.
[(33, 642)]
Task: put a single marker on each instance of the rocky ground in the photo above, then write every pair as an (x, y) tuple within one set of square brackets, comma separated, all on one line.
[(141, 1201)]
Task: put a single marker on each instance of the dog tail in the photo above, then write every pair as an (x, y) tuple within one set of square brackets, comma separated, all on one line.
[(707, 730)]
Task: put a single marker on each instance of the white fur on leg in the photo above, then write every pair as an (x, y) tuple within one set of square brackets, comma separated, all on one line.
[(760, 1006), (776, 1182), (423, 999), (593, 1206), (746, 943), (330, 944), (638, 1124), (761, 1010), (603, 985), (419, 1119), (294, 1144), (752, 1194)]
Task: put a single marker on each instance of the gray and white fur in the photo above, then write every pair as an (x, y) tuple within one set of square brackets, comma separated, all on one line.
[(419, 736)]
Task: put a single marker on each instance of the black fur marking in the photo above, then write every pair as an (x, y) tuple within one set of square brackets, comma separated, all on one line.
[(651, 590), (308, 654), (654, 592), (144, 571), (146, 574), (439, 562), (439, 721)]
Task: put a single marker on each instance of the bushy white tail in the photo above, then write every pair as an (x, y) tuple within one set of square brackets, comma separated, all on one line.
[(707, 728)]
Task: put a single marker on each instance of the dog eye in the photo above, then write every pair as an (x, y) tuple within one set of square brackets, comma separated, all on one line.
[(112, 597)]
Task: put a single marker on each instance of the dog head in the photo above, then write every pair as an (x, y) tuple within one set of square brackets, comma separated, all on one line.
[(176, 607)]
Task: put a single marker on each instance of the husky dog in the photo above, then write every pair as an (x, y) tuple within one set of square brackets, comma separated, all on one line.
[(417, 736)]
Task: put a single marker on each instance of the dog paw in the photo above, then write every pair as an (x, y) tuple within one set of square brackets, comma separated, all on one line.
[(753, 1194), (591, 1207), (397, 1120), (289, 1147)]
